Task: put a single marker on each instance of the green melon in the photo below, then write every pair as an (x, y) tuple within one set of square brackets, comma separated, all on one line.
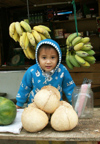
[(8, 111)]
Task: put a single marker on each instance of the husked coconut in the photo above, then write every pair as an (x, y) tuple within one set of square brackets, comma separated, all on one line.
[(47, 100), (33, 105), (66, 104), (34, 119), (52, 88), (64, 118)]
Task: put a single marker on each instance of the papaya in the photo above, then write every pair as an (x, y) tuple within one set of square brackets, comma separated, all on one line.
[(8, 111)]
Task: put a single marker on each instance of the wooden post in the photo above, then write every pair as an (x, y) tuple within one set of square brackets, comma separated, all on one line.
[(99, 7), (0, 57)]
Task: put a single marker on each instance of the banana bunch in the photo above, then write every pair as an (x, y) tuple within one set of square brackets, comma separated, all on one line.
[(80, 52), (28, 37)]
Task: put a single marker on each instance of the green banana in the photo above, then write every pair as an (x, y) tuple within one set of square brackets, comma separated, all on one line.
[(92, 62), (72, 36), (76, 40), (70, 66), (89, 58), (87, 47), (78, 46), (85, 40), (73, 61), (79, 59), (90, 52), (67, 42), (82, 53)]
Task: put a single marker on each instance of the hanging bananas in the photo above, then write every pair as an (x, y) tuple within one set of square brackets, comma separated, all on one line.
[(28, 38), (80, 52)]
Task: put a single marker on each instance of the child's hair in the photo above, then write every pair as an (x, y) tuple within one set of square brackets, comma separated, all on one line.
[(45, 46)]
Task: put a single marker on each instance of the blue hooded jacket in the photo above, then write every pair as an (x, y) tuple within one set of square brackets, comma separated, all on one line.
[(34, 78)]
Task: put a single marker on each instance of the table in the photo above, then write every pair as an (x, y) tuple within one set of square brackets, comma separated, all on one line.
[(87, 131)]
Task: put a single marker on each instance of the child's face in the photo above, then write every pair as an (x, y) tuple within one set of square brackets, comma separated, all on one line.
[(48, 59)]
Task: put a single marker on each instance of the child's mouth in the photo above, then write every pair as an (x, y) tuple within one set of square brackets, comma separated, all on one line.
[(48, 67)]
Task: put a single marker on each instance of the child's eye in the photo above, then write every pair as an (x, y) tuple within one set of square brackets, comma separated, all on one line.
[(44, 57), (53, 57)]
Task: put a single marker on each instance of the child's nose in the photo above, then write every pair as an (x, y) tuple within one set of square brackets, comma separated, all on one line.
[(48, 60)]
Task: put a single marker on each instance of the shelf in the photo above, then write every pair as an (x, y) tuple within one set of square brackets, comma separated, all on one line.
[(82, 19), (13, 68)]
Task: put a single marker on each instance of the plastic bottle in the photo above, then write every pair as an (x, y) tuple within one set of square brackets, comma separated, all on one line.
[(82, 101)]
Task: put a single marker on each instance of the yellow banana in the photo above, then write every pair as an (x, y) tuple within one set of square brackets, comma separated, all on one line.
[(35, 46), (47, 35), (39, 29), (31, 38), (42, 30), (86, 64), (42, 36), (31, 52), (12, 28), (78, 46), (45, 27), (26, 54), (25, 26), (76, 40), (22, 40), (26, 42), (36, 36), (16, 36), (11, 35), (18, 28), (85, 40)]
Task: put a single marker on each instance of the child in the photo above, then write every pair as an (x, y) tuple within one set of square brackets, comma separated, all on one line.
[(48, 70)]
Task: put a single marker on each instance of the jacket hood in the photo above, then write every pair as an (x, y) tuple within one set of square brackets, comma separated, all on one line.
[(53, 44)]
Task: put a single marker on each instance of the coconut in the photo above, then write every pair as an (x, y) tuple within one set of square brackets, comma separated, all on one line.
[(34, 119), (64, 118), (66, 104), (47, 99), (32, 105), (52, 88)]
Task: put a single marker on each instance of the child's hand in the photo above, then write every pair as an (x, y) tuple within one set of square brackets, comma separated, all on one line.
[(18, 107)]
